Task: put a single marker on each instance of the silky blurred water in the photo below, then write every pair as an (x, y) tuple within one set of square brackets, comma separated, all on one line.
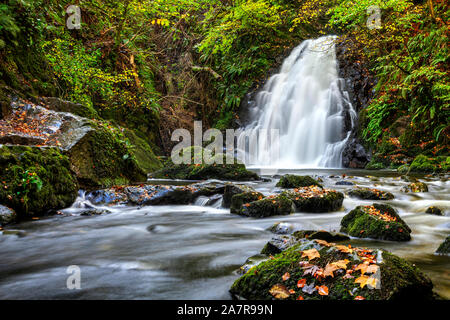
[(193, 251)]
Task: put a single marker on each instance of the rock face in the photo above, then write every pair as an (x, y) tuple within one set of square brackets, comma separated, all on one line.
[(354, 155), (415, 187), (315, 199), (35, 180), (7, 215), (293, 181), (444, 248), (378, 221), (270, 206), (370, 194), (318, 270)]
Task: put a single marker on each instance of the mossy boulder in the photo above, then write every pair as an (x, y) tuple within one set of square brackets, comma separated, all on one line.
[(267, 207), (378, 221), (102, 158), (59, 105), (320, 235), (35, 180), (375, 165), (238, 200), (7, 215), (293, 181), (415, 187), (424, 164), (219, 166), (315, 199), (435, 211), (444, 248), (142, 152), (232, 190), (290, 275), (370, 194)]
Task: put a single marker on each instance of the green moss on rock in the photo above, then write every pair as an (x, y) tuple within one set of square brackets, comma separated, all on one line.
[(240, 199), (370, 194), (386, 224), (415, 187), (142, 152), (293, 181), (397, 278), (315, 200), (424, 164), (270, 206), (444, 248), (35, 180)]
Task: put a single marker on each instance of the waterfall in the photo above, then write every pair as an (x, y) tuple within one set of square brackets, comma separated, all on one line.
[(299, 117)]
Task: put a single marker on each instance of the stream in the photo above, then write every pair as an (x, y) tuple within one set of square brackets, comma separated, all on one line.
[(194, 251)]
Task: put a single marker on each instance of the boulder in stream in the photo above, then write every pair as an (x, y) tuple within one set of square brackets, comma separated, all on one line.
[(7, 215), (444, 248), (267, 207), (294, 181), (315, 199), (435, 211), (318, 270), (415, 187), (370, 194), (232, 190), (378, 221)]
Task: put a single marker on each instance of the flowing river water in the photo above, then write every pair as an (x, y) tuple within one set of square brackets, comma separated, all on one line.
[(194, 251)]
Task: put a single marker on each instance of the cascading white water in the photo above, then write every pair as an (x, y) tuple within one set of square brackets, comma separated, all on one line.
[(307, 104)]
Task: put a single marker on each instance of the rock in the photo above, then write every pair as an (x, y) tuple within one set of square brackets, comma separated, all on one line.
[(60, 105), (374, 165), (238, 200), (49, 182), (95, 212), (7, 215), (354, 155), (282, 228), (344, 183), (281, 243), (424, 164), (233, 189), (370, 194), (391, 277), (403, 169), (24, 140), (5, 106), (293, 181), (434, 210), (18, 233), (315, 199), (270, 206), (321, 235), (251, 262), (444, 248), (378, 221), (415, 187)]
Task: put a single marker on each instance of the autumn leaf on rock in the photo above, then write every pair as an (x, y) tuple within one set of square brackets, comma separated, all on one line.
[(279, 291), (323, 243), (300, 298), (341, 264), (373, 268), (344, 249), (309, 289), (286, 276), (322, 290), (301, 283), (311, 254), (329, 269), (360, 298), (365, 280)]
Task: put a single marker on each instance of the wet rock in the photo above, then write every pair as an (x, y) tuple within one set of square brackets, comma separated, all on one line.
[(370, 194), (106, 197), (267, 207), (60, 105), (355, 155), (434, 210), (378, 221), (95, 212), (321, 235), (282, 228), (233, 189), (444, 248), (238, 200), (278, 244), (24, 140), (19, 233), (251, 262), (415, 187), (7, 215), (390, 277), (315, 199), (293, 181), (344, 183)]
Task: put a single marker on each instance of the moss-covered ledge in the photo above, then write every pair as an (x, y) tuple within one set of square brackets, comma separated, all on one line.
[(35, 180)]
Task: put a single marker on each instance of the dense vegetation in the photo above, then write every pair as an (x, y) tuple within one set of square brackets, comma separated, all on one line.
[(142, 63)]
